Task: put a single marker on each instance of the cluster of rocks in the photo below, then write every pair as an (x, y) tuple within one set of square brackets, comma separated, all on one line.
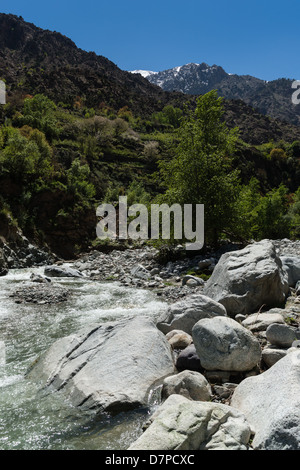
[(141, 268), (41, 294), (21, 254), (227, 358)]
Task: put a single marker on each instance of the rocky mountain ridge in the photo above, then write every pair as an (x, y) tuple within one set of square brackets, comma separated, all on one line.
[(272, 98)]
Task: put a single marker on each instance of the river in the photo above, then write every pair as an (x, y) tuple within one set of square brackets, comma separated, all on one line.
[(32, 419)]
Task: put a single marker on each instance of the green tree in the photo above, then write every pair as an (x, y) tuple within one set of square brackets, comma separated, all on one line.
[(293, 215), (77, 182), (39, 113), (24, 159), (200, 171), (272, 220)]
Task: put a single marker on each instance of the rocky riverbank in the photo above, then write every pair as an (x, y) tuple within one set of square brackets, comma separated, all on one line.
[(219, 352)]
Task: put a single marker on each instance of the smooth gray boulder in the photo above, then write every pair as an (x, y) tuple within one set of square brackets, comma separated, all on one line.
[(182, 424), (281, 335), (223, 344), (57, 271), (271, 404), (291, 265), (189, 384), (183, 315), (261, 321), (272, 354), (109, 367), (246, 279)]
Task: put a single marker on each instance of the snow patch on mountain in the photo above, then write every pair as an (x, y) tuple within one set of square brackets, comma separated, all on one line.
[(144, 73)]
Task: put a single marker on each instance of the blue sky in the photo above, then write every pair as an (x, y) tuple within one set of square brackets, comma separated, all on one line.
[(259, 38)]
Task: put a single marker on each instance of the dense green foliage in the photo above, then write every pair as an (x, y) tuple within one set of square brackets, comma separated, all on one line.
[(57, 164)]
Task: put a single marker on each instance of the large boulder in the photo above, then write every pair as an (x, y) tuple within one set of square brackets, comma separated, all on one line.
[(291, 265), (223, 344), (271, 404), (182, 424), (281, 335), (245, 280), (109, 367), (183, 315)]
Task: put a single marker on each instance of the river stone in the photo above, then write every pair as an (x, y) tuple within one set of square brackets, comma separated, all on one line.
[(185, 313), (189, 384), (280, 335), (223, 344), (57, 271), (140, 272), (197, 280), (182, 424), (272, 354), (271, 404), (246, 279), (188, 359), (291, 265), (109, 367), (261, 321), (178, 339)]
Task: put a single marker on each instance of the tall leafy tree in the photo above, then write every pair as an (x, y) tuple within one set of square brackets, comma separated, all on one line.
[(200, 171)]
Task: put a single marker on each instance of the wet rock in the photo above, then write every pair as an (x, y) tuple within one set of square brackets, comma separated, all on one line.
[(57, 271), (42, 293), (109, 367), (38, 278)]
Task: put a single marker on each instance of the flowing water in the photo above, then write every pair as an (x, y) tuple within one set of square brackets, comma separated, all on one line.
[(33, 419)]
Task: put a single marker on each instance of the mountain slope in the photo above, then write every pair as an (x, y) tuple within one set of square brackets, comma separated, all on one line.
[(270, 98), (33, 60)]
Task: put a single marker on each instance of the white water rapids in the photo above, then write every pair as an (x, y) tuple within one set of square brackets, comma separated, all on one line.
[(32, 419)]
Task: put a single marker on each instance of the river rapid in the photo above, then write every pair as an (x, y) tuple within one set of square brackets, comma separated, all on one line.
[(33, 419)]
